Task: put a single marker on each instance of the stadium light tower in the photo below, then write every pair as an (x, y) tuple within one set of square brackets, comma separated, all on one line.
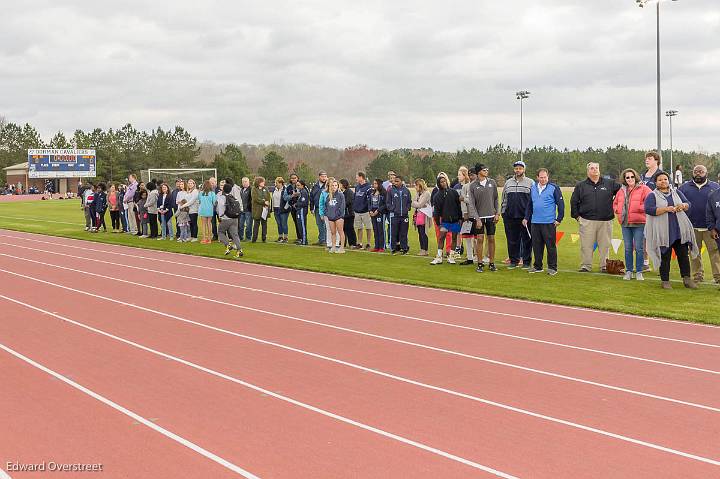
[(521, 95), (641, 4), (670, 114)]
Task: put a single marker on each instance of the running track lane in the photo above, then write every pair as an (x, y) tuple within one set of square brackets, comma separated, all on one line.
[(689, 385), (270, 438)]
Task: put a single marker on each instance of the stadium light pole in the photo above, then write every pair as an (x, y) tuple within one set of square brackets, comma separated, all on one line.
[(670, 114), (641, 4), (521, 95)]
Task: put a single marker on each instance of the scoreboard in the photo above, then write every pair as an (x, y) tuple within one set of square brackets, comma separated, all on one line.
[(61, 163)]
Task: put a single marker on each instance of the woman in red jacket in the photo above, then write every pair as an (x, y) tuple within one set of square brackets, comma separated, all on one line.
[(629, 206)]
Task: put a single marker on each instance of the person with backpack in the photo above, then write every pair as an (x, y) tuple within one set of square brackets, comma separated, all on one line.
[(229, 210)]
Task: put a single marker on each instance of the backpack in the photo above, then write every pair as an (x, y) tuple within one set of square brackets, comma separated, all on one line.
[(232, 207)]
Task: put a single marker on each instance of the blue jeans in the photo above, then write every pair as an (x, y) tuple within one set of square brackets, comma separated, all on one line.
[(165, 227), (322, 234), (281, 218), (634, 238), (245, 223)]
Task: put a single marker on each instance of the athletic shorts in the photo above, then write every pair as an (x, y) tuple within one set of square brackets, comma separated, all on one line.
[(362, 221), (487, 226), (452, 227)]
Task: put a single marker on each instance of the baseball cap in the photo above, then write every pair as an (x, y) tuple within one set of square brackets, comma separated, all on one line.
[(519, 163)]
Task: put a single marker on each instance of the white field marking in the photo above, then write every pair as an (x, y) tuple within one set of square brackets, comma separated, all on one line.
[(399, 378), (4, 475), (248, 308), (363, 309), (127, 412), (375, 336), (40, 220), (281, 397), (334, 276)]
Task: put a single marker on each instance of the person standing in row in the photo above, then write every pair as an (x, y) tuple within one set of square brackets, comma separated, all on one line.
[(545, 211), (465, 178), (165, 211), (376, 209), (398, 201), (349, 218), (228, 210), (669, 229), (290, 197), (129, 202), (99, 207), (698, 193), (245, 223), (712, 216), (652, 163), (152, 209), (448, 238), (280, 209), (483, 208), (448, 214), (260, 197), (193, 206), (206, 210), (591, 205), (317, 189), (302, 205), (114, 202), (333, 212), (361, 209), (421, 220), (629, 207), (678, 176), (515, 199)]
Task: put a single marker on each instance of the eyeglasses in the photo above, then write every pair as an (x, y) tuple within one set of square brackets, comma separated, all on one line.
[(629, 177)]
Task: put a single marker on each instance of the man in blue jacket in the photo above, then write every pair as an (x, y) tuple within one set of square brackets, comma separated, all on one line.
[(698, 192), (398, 205), (545, 211), (712, 215), (361, 209), (314, 205)]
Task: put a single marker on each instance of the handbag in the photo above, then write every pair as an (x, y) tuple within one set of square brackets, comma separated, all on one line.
[(614, 266)]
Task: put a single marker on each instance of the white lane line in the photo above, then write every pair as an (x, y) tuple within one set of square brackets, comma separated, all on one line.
[(391, 376), (169, 434), (365, 309), (40, 220), (281, 397), (4, 475), (248, 308), (403, 298), (374, 336)]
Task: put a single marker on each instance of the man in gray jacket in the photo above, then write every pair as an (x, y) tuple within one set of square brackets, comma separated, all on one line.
[(483, 208), (515, 200)]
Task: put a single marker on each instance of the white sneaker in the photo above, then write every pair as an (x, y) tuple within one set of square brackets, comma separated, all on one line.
[(331, 250), (340, 250), (628, 276), (437, 260), (451, 258), (486, 260), (193, 240), (639, 276)]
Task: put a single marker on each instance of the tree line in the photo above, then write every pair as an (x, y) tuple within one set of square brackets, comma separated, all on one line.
[(128, 150)]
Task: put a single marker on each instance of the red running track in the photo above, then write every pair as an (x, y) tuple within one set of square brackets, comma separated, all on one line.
[(276, 373)]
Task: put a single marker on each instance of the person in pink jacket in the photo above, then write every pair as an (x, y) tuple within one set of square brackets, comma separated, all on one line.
[(629, 207)]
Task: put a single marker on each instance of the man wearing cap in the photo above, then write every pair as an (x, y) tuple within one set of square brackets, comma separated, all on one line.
[(483, 208), (317, 188), (698, 192), (591, 205), (515, 200)]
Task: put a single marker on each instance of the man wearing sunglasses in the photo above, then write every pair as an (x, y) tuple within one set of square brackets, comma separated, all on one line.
[(698, 192)]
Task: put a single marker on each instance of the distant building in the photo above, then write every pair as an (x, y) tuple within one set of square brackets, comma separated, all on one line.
[(19, 174)]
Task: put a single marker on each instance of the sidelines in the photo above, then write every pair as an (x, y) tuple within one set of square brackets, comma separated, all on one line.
[(364, 309), (371, 428), (127, 412), (386, 338), (379, 282), (234, 305), (290, 400)]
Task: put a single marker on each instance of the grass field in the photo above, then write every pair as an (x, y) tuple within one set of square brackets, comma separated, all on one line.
[(594, 290)]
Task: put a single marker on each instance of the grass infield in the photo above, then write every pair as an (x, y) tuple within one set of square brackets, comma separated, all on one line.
[(593, 290)]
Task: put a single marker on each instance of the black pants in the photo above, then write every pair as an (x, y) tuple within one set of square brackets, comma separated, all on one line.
[(214, 227), (350, 235), (256, 226), (193, 225), (300, 219), (422, 235), (115, 219), (518, 241), (399, 231), (152, 220), (378, 223), (681, 251), (296, 222), (543, 237)]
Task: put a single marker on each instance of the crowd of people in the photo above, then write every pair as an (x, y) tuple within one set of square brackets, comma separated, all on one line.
[(658, 219)]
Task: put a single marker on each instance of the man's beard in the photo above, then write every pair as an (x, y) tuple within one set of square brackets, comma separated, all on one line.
[(699, 179)]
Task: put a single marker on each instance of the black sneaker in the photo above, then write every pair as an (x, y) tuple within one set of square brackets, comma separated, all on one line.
[(492, 267), (405, 251), (480, 268), (466, 262)]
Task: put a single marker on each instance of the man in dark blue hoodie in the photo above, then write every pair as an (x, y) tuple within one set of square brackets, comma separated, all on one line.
[(698, 192), (712, 216), (361, 209), (398, 205), (317, 188)]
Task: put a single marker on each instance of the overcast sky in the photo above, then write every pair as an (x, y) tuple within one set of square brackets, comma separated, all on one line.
[(383, 73)]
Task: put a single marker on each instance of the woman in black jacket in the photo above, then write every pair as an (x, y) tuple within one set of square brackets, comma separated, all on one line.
[(165, 211), (350, 236), (448, 214)]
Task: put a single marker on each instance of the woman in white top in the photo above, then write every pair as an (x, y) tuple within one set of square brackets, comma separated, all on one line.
[(192, 206), (280, 211)]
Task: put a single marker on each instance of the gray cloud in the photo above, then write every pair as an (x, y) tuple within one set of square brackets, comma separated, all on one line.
[(388, 74)]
